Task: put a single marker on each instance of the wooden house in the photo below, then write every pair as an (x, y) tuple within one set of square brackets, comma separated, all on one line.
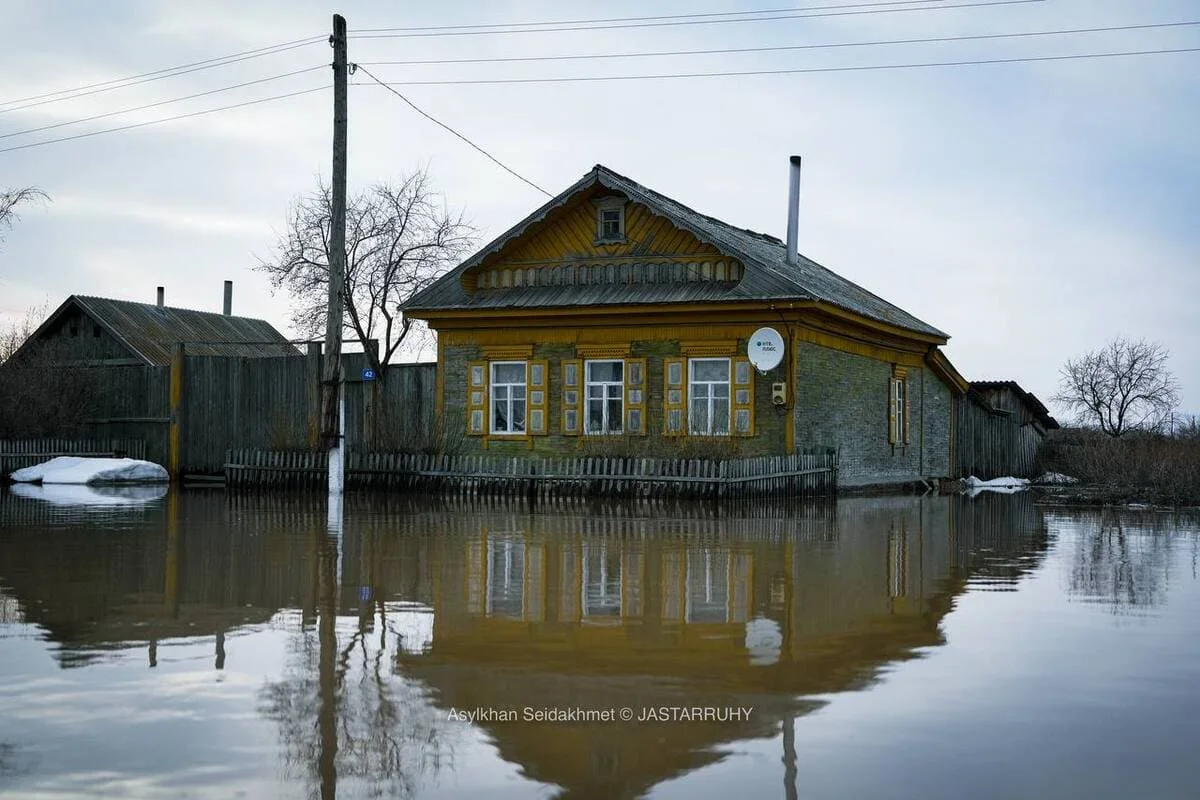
[(98, 331), (615, 320), (999, 429)]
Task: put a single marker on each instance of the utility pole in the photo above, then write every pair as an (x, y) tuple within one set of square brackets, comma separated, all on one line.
[(332, 416)]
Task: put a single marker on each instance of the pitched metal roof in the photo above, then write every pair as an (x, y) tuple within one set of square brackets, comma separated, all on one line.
[(766, 276), (1035, 406), (151, 332)]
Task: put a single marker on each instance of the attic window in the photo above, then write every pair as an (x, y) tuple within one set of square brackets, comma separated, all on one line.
[(610, 220)]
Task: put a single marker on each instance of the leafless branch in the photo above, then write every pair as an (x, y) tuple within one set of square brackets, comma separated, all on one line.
[(400, 237), (1121, 387), (10, 199)]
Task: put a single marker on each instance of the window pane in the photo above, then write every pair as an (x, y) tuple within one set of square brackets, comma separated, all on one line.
[(710, 369), (608, 371), (595, 392), (570, 375), (535, 375), (674, 397), (699, 391), (518, 417), (742, 423), (537, 398), (674, 421), (675, 374), (476, 421), (595, 412), (614, 416), (720, 390), (518, 393), (477, 376), (500, 393), (537, 422), (571, 420), (508, 373), (720, 412), (698, 419), (743, 397), (635, 420), (500, 416), (635, 396), (570, 398)]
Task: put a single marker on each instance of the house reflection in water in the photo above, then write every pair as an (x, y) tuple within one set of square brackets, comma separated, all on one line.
[(588, 608), (542, 611)]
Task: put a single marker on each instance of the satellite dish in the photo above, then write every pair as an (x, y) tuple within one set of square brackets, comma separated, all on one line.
[(765, 349)]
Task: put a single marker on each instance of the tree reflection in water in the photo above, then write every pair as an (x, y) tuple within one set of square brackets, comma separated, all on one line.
[(343, 714), (1123, 562)]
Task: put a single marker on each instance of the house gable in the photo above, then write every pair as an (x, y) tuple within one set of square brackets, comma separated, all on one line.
[(565, 248)]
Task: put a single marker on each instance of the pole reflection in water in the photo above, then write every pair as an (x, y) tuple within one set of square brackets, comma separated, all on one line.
[(327, 663)]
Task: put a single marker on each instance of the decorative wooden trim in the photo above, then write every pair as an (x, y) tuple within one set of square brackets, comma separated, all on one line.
[(515, 352), (477, 398), (675, 386), (702, 349), (597, 351), (636, 390), (571, 390), (742, 422), (537, 394)]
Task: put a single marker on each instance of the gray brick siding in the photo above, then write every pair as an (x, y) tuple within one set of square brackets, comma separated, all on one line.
[(842, 402)]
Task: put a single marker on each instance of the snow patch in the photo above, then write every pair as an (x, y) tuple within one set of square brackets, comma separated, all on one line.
[(997, 485), (92, 471)]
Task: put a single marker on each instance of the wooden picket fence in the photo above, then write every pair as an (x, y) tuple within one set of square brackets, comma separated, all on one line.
[(17, 454), (544, 478)]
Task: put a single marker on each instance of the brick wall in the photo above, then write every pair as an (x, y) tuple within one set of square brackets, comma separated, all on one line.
[(842, 402)]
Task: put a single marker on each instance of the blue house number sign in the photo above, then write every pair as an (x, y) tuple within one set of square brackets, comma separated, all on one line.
[(368, 374)]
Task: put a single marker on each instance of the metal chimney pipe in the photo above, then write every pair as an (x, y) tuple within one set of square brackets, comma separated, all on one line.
[(793, 222), (228, 307), (161, 296)]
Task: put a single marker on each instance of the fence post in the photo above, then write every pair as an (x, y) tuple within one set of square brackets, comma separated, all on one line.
[(175, 457), (312, 369)]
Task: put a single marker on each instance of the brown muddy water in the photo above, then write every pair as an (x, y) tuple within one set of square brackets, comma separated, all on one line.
[(203, 645)]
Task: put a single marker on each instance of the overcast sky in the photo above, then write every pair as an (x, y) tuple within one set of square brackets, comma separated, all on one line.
[(1032, 210)]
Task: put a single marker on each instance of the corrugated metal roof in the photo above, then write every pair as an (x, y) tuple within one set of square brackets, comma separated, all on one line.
[(152, 332), (767, 275), (1036, 407)]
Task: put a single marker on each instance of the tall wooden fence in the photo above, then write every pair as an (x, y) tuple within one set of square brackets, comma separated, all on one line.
[(275, 404), (17, 454), (544, 478)]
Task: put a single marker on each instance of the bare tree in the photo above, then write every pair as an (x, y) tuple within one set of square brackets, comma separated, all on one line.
[(10, 199), (400, 237), (14, 334), (1121, 387)]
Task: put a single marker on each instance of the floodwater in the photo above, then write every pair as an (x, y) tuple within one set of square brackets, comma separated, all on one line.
[(208, 645)]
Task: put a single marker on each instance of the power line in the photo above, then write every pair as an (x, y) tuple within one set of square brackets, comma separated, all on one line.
[(615, 26), (723, 51), (496, 25), (162, 102), (438, 122), (165, 119), (147, 77), (802, 70)]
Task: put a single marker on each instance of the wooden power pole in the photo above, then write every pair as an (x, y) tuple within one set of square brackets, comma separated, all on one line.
[(332, 374)]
